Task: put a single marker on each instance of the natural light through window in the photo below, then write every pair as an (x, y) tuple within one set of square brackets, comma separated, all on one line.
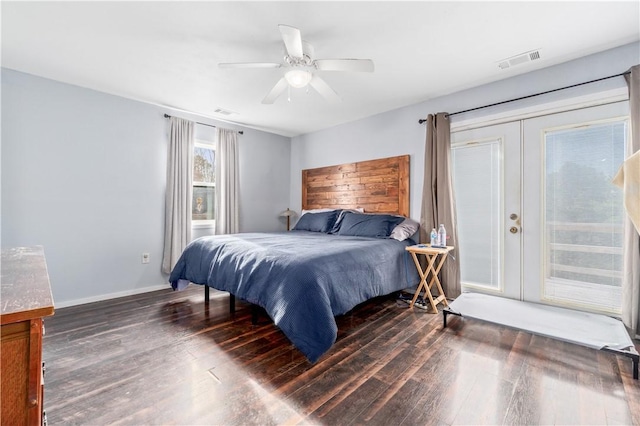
[(204, 184), (583, 215)]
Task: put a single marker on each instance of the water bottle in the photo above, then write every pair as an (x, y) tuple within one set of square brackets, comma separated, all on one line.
[(442, 236), (434, 237)]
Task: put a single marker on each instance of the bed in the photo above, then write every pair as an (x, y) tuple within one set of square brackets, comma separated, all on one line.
[(347, 247)]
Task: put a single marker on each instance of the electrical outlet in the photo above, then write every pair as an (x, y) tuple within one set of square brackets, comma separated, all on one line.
[(145, 257)]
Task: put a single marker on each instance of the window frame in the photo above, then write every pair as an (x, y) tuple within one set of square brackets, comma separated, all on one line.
[(202, 223)]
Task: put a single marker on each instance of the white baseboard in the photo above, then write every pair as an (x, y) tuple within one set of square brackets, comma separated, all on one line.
[(111, 296)]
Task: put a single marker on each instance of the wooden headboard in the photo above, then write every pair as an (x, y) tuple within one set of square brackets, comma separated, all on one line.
[(378, 186)]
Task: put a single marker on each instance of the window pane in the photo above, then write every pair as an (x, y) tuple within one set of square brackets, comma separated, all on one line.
[(204, 165), (584, 215), (203, 202), (477, 184)]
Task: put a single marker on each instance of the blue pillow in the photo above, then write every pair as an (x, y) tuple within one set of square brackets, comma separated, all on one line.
[(368, 225), (317, 222), (341, 213)]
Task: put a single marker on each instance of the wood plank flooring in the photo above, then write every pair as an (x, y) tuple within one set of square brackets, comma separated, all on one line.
[(167, 358)]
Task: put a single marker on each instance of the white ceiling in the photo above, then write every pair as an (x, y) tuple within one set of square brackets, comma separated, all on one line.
[(166, 53)]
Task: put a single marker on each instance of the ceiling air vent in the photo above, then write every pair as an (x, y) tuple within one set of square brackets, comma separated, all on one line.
[(224, 112), (519, 59)]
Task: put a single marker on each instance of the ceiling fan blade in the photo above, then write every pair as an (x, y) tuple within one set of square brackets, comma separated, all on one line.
[(358, 65), (277, 90), (323, 88), (292, 40), (250, 65)]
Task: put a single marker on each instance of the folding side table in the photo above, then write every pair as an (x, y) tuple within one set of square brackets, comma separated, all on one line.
[(431, 254)]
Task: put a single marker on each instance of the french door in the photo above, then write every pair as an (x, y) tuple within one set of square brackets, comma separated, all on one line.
[(538, 217), (487, 184)]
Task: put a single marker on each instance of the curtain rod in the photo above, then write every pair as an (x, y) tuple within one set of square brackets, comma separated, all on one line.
[(422, 120), (203, 124)]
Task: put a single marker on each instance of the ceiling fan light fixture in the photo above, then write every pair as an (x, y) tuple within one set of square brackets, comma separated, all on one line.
[(300, 67), (298, 78)]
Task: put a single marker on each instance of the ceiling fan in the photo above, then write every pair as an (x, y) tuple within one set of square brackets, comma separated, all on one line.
[(302, 67)]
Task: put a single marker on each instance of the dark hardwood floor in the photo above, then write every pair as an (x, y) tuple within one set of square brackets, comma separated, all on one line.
[(167, 358)]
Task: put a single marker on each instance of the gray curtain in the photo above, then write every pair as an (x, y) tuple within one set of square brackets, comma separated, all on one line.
[(226, 208), (438, 201), (177, 210), (631, 268)]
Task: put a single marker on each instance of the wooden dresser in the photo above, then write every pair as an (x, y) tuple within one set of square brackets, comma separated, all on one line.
[(25, 298)]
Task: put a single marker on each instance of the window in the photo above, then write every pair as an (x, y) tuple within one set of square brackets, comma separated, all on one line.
[(584, 217), (477, 179), (204, 183)]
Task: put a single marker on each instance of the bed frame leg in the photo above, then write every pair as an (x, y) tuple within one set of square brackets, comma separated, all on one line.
[(254, 314), (635, 360), (206, 294), (232, 303)]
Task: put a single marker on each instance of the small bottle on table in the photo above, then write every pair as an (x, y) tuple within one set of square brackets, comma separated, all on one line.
[(442, 236)]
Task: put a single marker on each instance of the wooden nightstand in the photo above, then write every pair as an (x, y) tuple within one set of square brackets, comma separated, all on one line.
[(432, 254)]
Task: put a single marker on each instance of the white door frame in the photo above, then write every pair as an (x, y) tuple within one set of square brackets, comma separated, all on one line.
[(518, 116)]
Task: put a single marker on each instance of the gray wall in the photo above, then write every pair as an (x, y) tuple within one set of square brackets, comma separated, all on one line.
[(83, 174), (397, 132)]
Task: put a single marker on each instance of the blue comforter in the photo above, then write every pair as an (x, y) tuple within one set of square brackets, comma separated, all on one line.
[(302, 279)]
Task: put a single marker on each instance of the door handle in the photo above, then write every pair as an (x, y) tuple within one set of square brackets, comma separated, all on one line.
[(513, 229)]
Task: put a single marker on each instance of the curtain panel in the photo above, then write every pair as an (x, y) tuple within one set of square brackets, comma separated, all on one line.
[(438, 201), (226, 206), (630, 177), (177, 211)]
